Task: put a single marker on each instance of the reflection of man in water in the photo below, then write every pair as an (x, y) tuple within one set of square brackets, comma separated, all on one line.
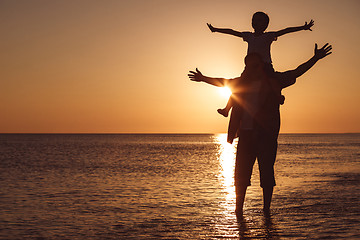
[(255, 119)]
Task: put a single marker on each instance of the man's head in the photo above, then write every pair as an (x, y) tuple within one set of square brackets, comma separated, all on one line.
[(260, 21), (253, 61)]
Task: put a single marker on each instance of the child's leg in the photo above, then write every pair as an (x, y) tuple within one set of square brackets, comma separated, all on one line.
[(225, 111)]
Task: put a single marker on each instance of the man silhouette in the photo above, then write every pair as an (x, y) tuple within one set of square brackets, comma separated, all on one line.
[(255, 119)]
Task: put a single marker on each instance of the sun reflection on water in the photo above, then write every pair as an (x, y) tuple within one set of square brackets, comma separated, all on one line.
[(227, 153), (226, 225)]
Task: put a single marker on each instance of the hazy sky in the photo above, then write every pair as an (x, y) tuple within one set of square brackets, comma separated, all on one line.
[(121, 66)]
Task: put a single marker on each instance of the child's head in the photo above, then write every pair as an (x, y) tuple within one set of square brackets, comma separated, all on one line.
[(260, 21)]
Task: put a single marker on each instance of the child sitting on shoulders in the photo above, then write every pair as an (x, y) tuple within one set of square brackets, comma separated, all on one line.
[(259, 42)]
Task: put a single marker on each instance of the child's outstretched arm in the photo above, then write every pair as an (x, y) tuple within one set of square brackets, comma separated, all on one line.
[(225, 30), (306, 26)]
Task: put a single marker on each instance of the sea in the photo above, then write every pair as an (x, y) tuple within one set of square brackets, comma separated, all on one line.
[(173, 186)]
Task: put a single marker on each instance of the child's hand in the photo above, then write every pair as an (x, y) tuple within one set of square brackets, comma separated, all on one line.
[(211, 27), (307, 26)]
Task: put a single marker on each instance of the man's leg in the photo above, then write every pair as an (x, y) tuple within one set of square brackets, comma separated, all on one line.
[(240, 198), (266, 159), (245, 159), (267, 196)]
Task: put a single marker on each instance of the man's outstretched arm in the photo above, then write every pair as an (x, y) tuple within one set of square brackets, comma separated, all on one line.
[(197, 76), (318, 54)]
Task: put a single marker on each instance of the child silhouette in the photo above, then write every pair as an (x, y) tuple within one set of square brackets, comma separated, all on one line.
[(259, 42)]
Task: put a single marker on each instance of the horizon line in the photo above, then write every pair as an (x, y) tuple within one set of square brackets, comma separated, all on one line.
[(158, 133)]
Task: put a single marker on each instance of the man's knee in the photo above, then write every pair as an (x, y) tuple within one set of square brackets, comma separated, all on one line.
[(267, 180)]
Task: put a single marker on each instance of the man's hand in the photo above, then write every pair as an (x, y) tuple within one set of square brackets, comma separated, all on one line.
[(307, 26), (212, 29), (322, 52), (196, 76)]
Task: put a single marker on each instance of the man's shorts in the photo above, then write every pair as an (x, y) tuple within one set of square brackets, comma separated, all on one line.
[(252, 145)]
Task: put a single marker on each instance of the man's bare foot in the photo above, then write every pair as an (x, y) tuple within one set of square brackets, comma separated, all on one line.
[(223, 112), (267, 212), (239, 213)]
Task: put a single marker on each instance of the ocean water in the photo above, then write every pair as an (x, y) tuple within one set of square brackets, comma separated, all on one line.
[(174, 187)]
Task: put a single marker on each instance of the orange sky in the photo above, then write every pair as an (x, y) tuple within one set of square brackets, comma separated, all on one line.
[(121, 66)]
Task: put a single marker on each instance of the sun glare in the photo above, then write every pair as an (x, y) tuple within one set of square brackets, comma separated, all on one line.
[(225, 92), (226, 155)]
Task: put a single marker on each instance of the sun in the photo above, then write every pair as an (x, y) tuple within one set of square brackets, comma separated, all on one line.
[(225, 92)]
